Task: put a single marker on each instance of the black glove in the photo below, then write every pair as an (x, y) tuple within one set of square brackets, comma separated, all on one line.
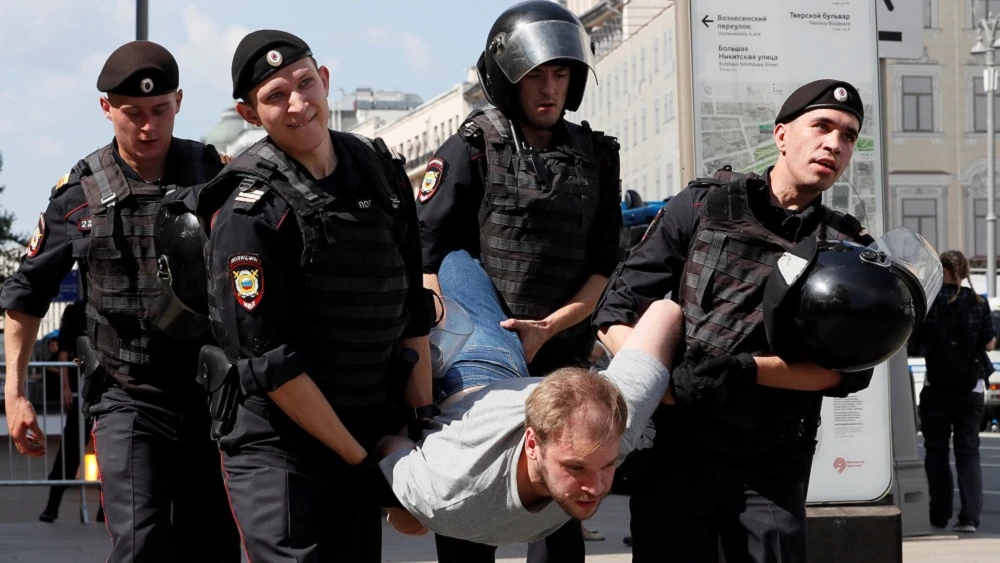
[(367, 477), (704, 381)]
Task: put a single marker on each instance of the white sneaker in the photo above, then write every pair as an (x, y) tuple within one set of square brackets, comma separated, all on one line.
[(964, 528)]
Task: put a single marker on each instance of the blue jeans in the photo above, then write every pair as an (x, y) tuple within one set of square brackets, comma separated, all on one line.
[(492, 352)]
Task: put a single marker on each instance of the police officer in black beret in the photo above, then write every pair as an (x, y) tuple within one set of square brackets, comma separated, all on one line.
[(530, 203), (734, 454), (163, 495), (314, 285)]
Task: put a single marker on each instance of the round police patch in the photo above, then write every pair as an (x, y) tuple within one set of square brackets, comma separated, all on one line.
[(146, 85), (432, 179), (37, 237), (274, 58), (840, 94), (248, 280)]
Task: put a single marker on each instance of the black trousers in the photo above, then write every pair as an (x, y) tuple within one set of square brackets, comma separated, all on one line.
[(69, 451), (161, 480), (942, 416), (296, 500), (760, 517)]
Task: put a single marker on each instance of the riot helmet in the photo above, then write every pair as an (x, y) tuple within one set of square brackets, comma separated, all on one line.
[(180, 263), (527, 35), (849, 307)]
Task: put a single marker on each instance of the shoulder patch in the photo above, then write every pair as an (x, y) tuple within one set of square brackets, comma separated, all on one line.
[(62, 182), (247, 279), (37, 238), (432, 179)]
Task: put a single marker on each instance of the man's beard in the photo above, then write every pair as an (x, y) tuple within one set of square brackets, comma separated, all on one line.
[(566, 504)]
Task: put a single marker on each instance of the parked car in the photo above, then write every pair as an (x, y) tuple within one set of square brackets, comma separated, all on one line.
[(992, 394)]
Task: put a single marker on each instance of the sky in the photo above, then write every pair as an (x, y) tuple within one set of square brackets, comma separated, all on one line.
[(53, 50)]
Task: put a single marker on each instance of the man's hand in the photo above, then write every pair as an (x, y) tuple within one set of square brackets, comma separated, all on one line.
[(533, 335), (23, 425), (67, 391), (701, 380), (404, 522)]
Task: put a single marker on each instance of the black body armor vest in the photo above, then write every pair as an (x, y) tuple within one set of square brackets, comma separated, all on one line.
[(124, 294), (536, 214), (354, 284), (721, 293)]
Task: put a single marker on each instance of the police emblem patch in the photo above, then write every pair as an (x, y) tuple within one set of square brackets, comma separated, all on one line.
[(248, 280), (432, 179), (37, 238), (840, 94), (146, 85)]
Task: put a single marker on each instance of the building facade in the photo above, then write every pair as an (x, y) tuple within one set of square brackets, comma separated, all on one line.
[(936, 115)]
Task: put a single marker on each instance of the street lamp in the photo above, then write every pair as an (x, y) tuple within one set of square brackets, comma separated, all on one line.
[(988, 32)]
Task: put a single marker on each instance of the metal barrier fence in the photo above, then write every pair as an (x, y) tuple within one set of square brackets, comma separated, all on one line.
[(25, 471)]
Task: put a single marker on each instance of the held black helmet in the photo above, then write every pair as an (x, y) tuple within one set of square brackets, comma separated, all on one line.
[(527, 35), (180, 262), (847, 307)]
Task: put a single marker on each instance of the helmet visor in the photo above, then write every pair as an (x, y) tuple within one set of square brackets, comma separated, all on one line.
[(914, 254), (540, 42)]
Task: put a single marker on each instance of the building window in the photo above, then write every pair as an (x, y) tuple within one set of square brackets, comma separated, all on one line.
[(670, 177), (991, 7), (643, 123), (625, 79), (979, 224), (979, 106), (656, 117), (617, 91), (642, 63), (668, 105), (668, 52), (920, 215), (635, 74), (635, 129), (918, 103), (656, 57), (659, 183), (625, 135)]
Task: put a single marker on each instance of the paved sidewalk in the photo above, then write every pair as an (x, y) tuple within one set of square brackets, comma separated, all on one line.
[(70, 542)]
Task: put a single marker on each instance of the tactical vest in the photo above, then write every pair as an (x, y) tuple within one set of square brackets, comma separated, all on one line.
[(721, 293), (537, 213), (355, 283), (123, 291)]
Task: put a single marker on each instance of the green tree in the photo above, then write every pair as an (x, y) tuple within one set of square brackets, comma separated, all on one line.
[(11, 244)]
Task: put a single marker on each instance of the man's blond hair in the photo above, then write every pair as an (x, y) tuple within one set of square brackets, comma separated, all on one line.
[(568, 391)]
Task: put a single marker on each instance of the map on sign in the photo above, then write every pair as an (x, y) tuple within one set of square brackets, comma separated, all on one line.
[(737, 128), (749, 57)]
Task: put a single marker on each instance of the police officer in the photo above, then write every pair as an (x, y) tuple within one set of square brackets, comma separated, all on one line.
[(314, 281), (734, 463), (162, 488), (524, 205)]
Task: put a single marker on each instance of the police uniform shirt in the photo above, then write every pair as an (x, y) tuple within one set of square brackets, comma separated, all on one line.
[(449, 213), (654, 267), (62, 236), (269, 353)]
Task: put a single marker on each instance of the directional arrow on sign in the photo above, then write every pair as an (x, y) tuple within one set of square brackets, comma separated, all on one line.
[(706, 21)]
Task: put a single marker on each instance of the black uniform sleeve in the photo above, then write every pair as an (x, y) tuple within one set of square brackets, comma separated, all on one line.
[(60, 238), (263, 244), (654, 267), (448, 209), (605, 238)]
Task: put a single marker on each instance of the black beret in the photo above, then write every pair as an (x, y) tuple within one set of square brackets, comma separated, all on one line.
[(139, 68), (262, 53), (826, 93)]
